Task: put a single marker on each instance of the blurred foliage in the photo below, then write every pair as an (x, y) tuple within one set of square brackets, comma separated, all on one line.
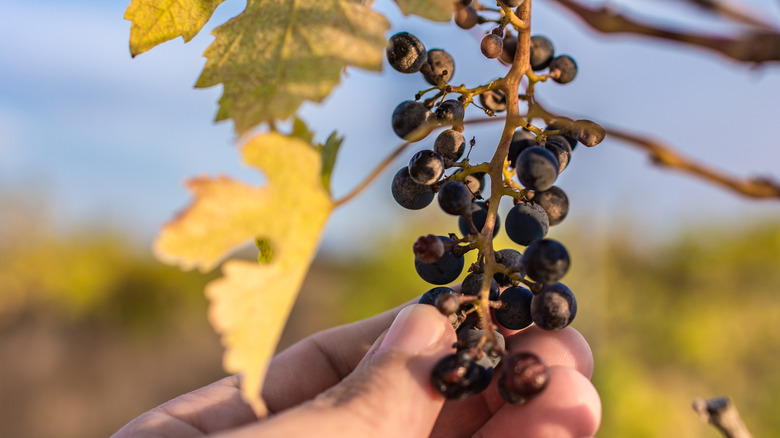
[(695, 315)]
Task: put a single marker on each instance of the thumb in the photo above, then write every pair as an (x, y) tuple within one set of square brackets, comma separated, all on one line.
[(389, 394)]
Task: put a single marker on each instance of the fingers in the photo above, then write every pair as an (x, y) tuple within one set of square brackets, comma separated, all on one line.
[(388, 395), (212, 408), (569, 407), (563, 348), (320, 361)]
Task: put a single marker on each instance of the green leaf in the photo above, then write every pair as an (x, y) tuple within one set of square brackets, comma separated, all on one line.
[(435, 10), (329, 151), (278, 54), (157, 21)]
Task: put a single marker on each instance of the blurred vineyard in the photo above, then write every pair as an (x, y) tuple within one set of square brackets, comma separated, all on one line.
[(93, 331)]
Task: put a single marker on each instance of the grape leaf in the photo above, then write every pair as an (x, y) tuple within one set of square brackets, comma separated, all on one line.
[(251, 303), (276, 55), (249, 307), (435, 10), (157, 21), (288, 212)]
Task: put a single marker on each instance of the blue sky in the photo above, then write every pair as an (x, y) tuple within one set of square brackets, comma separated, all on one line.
[(109, 138)]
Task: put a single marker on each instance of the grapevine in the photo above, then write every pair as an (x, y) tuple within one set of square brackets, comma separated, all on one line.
[(524, 167), (505, 288)]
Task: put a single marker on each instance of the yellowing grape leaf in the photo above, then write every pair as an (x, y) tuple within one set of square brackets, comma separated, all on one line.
[(277, 54), (435, 10), (157, 21), (251, 303), (225, 214), (249, 308)]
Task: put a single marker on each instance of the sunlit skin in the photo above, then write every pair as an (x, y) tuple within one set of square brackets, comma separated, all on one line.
[(368, 379)]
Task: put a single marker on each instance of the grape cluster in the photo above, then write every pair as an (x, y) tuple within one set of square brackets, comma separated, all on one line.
[(504, 288)]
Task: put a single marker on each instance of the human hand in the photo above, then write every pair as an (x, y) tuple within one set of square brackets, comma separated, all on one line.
[(368, 380)]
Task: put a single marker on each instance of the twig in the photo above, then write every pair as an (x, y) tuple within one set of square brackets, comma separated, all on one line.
[(665, 156), (755, 46), (722, 414), (733, 13)]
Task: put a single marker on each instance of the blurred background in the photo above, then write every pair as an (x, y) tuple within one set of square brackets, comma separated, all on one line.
[(676, 279)]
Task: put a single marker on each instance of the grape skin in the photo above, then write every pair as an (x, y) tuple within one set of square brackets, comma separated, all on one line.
[(546, 261), (537, 168), (554, 307), (439, 61), (458, 376), (523, 376), (405, 53), (542, 52), (517, 314), (430, 296), (450, 111), (443, 271), (492, 45), (526, 223), (454, 198), (566, 69), (450, 144), (408, 193), (554, 202), (426, 167), (408, 116), (521, 140), (466, 18)]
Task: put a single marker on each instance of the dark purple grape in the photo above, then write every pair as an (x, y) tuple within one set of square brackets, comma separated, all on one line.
[(587, 132), (409, 194), (526, 223), (537, 168), (458, 376), (542, 52), (408, 116), (494, 100), (472, 284), (441, 66), (512, 260), (479, 217), (426, 167), (546, 261), (554, 307), (442, 271), (406, 53), (523, 376), (507, 55), (563, 69), (450, 111), (561, 150), (521, 140), (450, 144), (515, 314), (466, 18), (554, 202), (431, 295), (492, 45), (455, 198)]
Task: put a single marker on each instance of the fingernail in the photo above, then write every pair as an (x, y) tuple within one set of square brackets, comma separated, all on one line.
[(415, 329)]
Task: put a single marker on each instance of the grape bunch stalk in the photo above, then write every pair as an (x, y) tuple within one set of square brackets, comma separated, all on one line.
[(533, 150)]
